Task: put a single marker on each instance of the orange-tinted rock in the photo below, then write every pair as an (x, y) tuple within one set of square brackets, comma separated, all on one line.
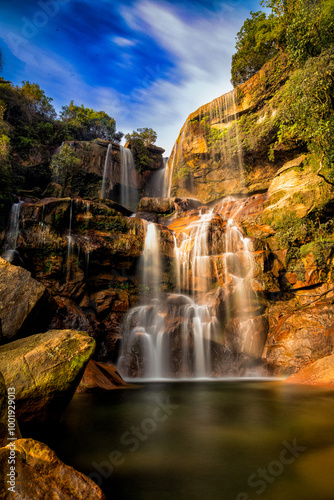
[(41, 475), (100, 376), (319, 373), (298, 336)]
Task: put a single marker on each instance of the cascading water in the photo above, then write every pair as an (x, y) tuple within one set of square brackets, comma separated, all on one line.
[(158, 186), (128, 180), (70, 243), (194, 277), (106, 179), (13, 232), (143, 328)]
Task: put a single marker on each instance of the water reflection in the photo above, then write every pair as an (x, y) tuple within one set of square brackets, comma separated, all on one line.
[(218, 441)]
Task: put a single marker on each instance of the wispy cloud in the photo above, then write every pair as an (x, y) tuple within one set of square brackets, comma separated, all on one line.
[(145, 62)]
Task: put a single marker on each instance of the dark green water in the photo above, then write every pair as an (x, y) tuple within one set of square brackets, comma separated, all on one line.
[(204, 440)]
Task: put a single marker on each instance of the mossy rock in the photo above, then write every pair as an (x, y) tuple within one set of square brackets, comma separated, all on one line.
[(45, 370)]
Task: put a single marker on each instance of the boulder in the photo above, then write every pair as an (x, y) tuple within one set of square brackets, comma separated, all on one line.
[(100, 376), (45, 370), (167, 205), (41, 475), (298, 337), (319, 373), (25, 304)]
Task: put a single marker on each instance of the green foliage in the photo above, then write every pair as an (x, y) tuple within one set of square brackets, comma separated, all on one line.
[(306, 111), (256, 44), (140, 140), (145, 135), (301, 28), (85, 124), (65, 165), (311, 29)]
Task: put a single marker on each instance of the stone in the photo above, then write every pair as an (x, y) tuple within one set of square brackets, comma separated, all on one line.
[(298, 336), (295, 189), (41, 475), (167, 205), (321, 372), (25, 304), (100, 376), (45, 370)]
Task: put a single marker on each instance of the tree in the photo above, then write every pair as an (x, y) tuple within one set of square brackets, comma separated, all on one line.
[(139, 141), (146, 135), (87, 124), (256, 44), (37, 104), (307, 110), (310, 30), (64, 165)]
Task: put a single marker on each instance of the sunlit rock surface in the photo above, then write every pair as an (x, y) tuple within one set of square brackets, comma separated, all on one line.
[(45, 370), (40, 474)]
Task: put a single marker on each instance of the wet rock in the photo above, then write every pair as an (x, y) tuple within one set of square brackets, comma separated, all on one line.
[(41, 475), (321, 372), (100, 376), (298, 335), (25, 304), (167, 205), (45, 370)]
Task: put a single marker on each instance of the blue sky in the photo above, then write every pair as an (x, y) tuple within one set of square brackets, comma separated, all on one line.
[(147, 63)]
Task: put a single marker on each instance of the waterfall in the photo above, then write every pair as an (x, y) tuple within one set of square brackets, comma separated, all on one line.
[(194, 276), (70, 242), (128, 180), (158, 186), (106, 172), (143, 330), (13, 232), (177, 154)]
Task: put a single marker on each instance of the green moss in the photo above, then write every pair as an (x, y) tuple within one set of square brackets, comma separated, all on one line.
[(321, 249)]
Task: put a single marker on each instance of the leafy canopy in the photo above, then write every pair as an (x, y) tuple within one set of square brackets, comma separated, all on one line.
[(140, 140), (301, 28), (86, 124), (146, 135)]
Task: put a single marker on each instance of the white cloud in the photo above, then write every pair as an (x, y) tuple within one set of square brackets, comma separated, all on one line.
[(201, 48), (123, 42)]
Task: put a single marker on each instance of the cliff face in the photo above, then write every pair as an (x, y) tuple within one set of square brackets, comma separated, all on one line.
[(224, 146), (94, 156)]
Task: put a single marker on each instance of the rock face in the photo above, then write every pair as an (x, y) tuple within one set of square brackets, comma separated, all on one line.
[(223, 147), (319, 373), (40, 474), (301, 332), (45, 370), (25, 304), (100, 376), (93, 156)]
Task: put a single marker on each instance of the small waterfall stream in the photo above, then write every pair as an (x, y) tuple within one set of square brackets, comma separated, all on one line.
[(13, 232), (128, 190), (144, 325), (106, 179)]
